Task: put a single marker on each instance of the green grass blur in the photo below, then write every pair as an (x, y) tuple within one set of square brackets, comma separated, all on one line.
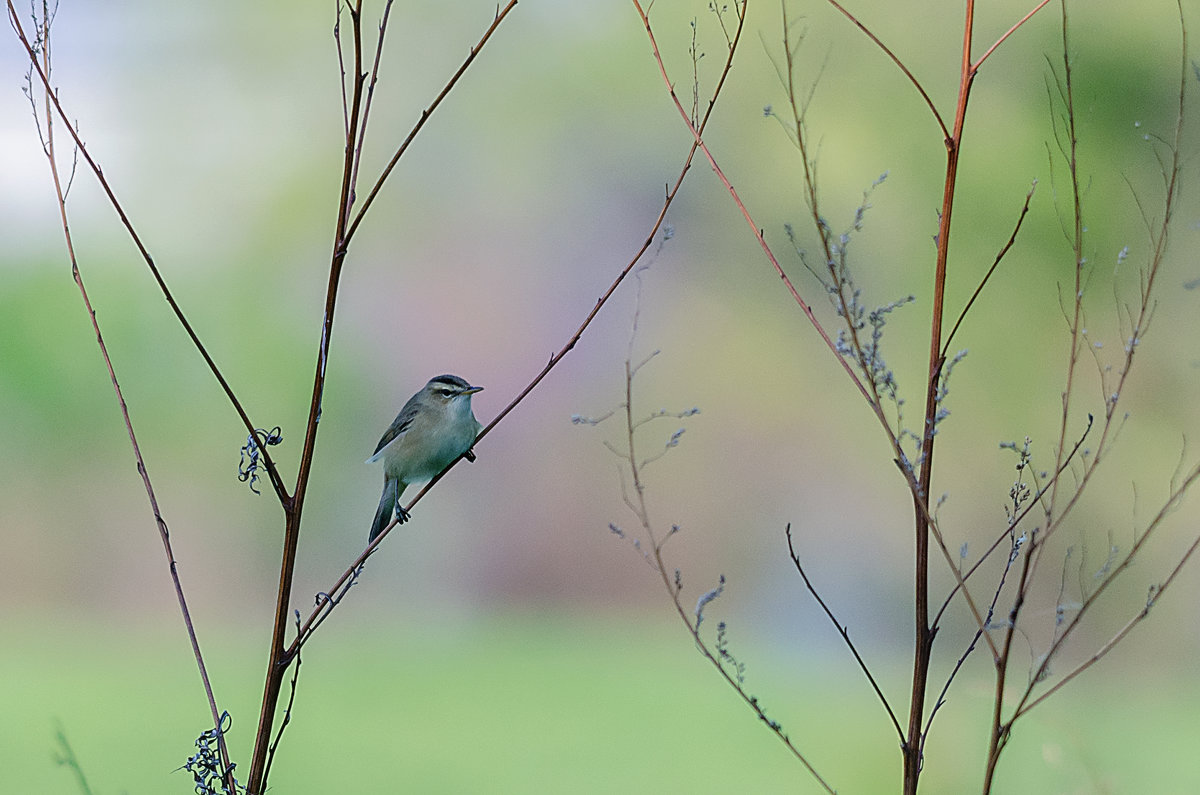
[(540, 702)]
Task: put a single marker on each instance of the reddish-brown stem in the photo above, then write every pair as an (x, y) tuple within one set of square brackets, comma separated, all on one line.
[(843, 300), (924, 525), (280, 657), (277, 663), (923, 632)]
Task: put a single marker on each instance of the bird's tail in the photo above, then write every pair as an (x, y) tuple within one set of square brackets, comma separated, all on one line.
[(387, 507)]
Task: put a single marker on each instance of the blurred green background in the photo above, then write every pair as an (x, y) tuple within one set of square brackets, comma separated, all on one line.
[(505, 641)]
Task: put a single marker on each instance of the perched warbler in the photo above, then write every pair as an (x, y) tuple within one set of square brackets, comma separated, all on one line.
[(435, 428)]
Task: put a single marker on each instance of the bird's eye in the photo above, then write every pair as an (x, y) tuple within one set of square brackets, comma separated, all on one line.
[(445, 393)]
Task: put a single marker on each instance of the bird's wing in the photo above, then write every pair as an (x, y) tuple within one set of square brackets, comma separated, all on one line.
[(399, 425)]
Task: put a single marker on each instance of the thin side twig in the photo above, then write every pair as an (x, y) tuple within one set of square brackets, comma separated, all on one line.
[(1028, 702), (843, 631), (979, 61), (899, 64), (757, 231), (366, 114), (287, 710), (1012, 239), (501, 13), (674, 587), (1018, 518)]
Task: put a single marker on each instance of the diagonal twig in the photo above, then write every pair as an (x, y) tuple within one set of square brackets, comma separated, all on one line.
[(843, 631), (899, 64), (324, 605), (52, 98), (979, 61), (50, 104), (1012, 239)]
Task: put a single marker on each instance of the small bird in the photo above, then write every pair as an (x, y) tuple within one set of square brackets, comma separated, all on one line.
[(435, 427)]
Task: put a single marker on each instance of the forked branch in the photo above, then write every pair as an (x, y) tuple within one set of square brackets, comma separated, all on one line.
[(356, 112)]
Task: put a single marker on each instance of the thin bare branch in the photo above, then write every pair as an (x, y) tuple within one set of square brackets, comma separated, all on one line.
[(720, 658), (501, 13), (337, 38), (1178, 492), (366, 114), (983, 632), (1069, 149), (1138, 319), (1017, 519), (52, 98), (979, 61), (1000, 256), (844, 632), (287, 710), (756, 230), (1155, 594), (44, 67), (900, 64)]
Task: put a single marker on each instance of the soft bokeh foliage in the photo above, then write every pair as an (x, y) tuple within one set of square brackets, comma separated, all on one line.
[(219, 126)]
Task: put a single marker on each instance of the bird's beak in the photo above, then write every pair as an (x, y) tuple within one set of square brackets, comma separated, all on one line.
[(472, 390)]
